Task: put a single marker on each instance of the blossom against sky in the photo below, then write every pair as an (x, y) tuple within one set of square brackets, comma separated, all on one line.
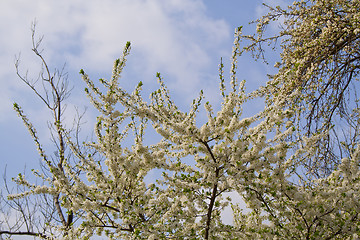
[(182, 39)]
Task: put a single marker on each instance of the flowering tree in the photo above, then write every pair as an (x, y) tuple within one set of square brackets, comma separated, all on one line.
[(318, 71), (102, 184)]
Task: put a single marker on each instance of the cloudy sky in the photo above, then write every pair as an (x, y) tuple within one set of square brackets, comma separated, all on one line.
[(182, 39)]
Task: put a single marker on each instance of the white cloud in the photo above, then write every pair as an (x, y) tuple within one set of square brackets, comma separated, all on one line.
[(174, 37), (227, 215)]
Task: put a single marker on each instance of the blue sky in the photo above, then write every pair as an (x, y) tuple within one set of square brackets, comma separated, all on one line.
[(181, 39)]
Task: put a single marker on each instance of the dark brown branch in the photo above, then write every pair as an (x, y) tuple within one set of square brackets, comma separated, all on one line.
[(211, 206), (213, 192), (28, 233)]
